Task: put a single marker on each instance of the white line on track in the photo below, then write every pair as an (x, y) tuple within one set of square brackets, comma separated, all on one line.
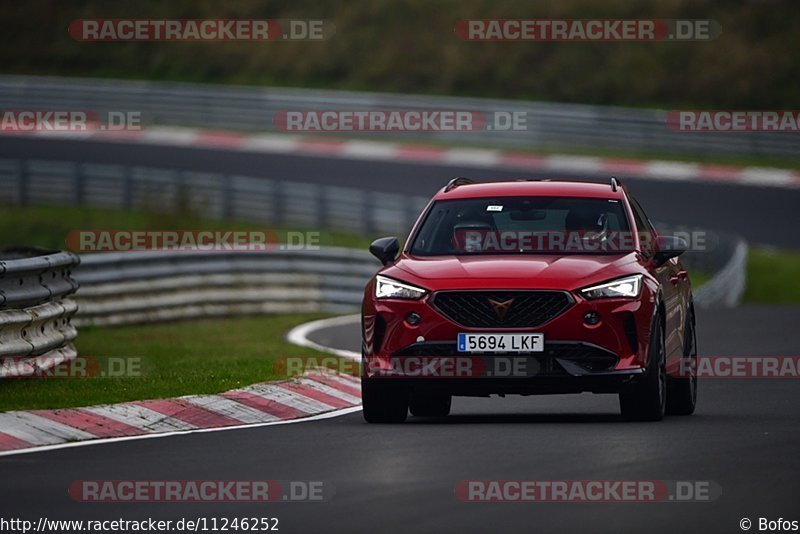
[(299, 334)]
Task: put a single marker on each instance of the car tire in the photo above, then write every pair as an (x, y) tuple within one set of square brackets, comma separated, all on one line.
[(682, 392), (645, 399), (430, 404), (383, 401)]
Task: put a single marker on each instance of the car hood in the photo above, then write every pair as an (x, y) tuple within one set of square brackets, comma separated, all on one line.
[(565, 271)]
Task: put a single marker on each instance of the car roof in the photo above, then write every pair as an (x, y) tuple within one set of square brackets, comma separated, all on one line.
[(521, 188)]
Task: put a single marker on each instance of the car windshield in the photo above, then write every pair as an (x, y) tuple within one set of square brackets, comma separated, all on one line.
[(524, 225)]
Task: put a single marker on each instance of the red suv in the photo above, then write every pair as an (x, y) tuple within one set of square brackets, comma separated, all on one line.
[(529, 287)]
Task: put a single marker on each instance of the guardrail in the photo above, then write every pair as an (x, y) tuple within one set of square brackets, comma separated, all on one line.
[(216, 196), (720, 254), (136, 287), (36, 328), (727, 286), (549, 125)]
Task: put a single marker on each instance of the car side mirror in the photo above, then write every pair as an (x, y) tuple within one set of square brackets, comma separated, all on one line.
[(385, 249), (667, 247)]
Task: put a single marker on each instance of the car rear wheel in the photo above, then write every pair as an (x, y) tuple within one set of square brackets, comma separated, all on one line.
[(645, 400), (424, 404), (682, 392), (383, 401)]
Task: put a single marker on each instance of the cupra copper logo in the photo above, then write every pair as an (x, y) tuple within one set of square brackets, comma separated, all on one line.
[(501, 308)]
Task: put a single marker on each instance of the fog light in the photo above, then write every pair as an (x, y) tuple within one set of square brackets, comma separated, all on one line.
[(413, 318), (591, 318)]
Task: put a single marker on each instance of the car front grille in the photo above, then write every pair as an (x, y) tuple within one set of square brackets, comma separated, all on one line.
[(501, 309)]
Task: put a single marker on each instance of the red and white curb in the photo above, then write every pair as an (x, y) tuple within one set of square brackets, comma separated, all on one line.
[(415, 153), (313, 396)]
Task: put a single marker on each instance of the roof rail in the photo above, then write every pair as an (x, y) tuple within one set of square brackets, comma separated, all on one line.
[(455, 182), (615, 183)]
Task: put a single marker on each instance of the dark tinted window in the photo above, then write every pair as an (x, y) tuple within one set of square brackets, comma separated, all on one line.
[(523, 225), (644, 226)]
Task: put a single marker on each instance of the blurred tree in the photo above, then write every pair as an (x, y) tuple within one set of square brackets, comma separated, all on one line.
[(409, 46)]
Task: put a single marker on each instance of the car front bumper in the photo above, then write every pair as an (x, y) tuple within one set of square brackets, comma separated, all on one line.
[(577, 356)]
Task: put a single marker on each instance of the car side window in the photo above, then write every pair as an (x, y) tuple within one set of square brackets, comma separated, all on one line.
[(645, 228)]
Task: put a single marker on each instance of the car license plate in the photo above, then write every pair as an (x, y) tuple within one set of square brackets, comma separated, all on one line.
[(481, 343)]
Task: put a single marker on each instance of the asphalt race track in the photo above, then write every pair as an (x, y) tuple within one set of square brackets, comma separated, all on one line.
[(402, 478), (764, 215)]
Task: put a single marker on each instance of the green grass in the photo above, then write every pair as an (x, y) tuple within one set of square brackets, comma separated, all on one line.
[(773, 277), (699, 279), (207, 356), (48, 226)]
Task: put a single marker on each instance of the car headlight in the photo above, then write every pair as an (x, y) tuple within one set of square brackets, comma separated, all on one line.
[(628, 287), (386, 288)]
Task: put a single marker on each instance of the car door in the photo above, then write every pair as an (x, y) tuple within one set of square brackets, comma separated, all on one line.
[(671, 277)]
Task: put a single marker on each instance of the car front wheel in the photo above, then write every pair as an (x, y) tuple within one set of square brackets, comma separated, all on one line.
[(646, 399), (682, 392), (424, 404), (383, 401)]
